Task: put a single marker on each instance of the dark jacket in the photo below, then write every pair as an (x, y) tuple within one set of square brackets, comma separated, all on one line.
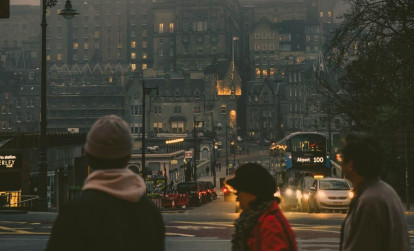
[(376, 220), (272, 232), (112, 214)]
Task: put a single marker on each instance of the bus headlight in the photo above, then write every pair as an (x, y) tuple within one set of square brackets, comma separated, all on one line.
[(351, 194)]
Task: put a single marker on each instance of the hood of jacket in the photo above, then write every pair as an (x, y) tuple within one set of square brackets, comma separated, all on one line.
[(120, 183)]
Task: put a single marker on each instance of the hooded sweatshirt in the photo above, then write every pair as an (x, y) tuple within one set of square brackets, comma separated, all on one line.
[(120, 183)]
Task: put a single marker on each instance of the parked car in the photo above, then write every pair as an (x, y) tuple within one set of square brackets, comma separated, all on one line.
[(302, 193), (194, 191), (330, 194), (211, 190)]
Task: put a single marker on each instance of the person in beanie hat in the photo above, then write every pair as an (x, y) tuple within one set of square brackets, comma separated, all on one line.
[(112, 212), (261, 225)]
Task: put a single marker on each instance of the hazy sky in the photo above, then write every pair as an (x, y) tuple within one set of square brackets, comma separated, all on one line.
[(31, 2)]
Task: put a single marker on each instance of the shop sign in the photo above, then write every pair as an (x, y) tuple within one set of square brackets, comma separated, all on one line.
[(9, 161)]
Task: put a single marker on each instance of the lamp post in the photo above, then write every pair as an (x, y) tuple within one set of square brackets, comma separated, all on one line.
[(196, 123), (68, 13), (145, 91)]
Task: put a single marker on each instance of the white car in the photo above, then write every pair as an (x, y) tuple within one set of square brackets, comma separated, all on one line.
[(330, 194)]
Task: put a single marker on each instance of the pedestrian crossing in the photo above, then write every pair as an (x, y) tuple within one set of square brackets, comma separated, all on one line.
[(320, 244)]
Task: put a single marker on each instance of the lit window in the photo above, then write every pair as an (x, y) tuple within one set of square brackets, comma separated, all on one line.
[(133, 55), (257, 72), (75, 46), (329, 14), (133, 67), (264, 73), (321, 14), (161, 28), (59, 56), (171, 27), (272, 72), (144, 55), (133, 44), (144, 66)]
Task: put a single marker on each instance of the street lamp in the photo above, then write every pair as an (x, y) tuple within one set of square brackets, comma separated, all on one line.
[(145, 91), (67, 13), (196, 125)]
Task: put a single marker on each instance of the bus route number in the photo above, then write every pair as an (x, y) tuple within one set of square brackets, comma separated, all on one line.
[(317, 159)]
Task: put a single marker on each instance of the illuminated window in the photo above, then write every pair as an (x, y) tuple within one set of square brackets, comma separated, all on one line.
[(133, 55), (75, 46), (133, 67), (272, 72), (321, 14), (264, 73), (59, 56), (133, 44), (144, 66), (329, 14), (161, 28), (257, 72), (144, 55), (171, 27)]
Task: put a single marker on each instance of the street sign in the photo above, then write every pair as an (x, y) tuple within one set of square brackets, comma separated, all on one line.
[(188, 154)]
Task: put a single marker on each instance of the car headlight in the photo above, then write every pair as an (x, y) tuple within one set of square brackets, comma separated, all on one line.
[(351, 194), (277, 194), (289, 192), (306, 196), (321, 194)]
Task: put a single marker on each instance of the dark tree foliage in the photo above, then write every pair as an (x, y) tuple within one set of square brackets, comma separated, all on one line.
[(373, 49)]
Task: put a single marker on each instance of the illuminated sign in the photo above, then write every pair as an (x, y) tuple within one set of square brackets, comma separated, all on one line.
[(8, 161), (310, 160)]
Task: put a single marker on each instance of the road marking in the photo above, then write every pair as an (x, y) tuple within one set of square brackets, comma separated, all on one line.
[(183, 235), (196, 227), (222, 224)]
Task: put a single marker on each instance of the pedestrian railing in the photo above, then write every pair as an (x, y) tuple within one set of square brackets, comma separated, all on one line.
[(14, 200)]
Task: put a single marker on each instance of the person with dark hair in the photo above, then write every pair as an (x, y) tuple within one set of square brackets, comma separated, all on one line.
[(261, 225), (112, 212), (375, 219)]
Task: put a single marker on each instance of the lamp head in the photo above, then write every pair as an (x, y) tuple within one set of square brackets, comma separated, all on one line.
[(68, 13)]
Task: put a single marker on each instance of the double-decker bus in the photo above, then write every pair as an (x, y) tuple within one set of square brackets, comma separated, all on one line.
[(298, 155)]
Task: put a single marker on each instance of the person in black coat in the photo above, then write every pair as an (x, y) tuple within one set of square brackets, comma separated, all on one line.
[(112, 212)]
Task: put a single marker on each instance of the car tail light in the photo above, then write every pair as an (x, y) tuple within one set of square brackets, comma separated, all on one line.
[(225, 189)]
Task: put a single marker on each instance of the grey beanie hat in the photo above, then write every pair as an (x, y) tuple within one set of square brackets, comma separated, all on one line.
[(109, 138)]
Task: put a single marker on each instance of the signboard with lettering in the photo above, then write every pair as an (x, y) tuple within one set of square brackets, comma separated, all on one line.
[(306, 159), (10, 161), (188, 154)]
